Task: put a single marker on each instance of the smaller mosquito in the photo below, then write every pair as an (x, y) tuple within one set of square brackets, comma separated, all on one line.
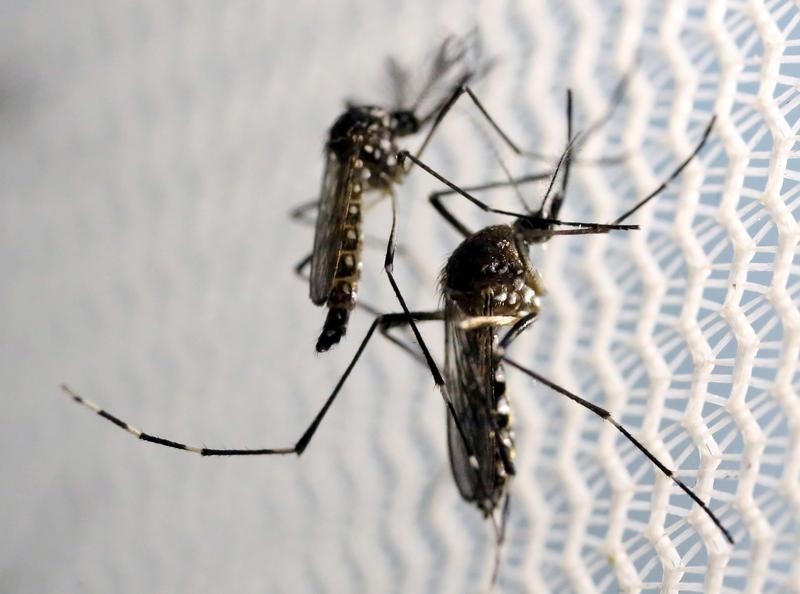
[(489, 284), (360, 157)]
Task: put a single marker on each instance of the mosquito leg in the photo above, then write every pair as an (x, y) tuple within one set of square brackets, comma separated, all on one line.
[(387, 319), (436, 198), (460, 90), (448, 105), (586, 228), (414, 352), (443, 111), (403, 155), (388, 266), (514, 332), (465, 89), (431, 316), (390, 319), (401, 319), (300, 267), (672, 176), (299, 212), (606, 416), (168, 442), (558, 198)]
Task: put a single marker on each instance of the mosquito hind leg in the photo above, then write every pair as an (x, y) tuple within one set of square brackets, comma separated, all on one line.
[(514, 333), (609, 418), (169, 442), (388, 320)]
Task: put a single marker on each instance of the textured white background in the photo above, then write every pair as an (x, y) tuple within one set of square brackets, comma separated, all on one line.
[(149, 154)]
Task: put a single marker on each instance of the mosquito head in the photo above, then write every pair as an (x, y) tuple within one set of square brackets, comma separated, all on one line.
[(405, 122), (533, 228)]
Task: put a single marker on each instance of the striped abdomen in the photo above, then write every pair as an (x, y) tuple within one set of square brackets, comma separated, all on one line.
[(342, 296), (504, 433)]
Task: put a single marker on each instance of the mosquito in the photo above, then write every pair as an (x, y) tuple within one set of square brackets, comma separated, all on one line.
[(491, 294), (360, 157)]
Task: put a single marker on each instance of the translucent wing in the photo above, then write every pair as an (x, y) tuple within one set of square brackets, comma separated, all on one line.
[(334, 198), (457, 61), (469, 373)]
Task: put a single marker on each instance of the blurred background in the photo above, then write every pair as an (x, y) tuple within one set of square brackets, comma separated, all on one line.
[(150, 153)]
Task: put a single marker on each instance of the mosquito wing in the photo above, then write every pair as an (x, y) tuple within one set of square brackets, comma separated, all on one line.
[(469, 371), (456, 62), (334, 198)]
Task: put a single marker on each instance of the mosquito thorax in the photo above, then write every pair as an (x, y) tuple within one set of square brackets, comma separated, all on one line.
[(369, 132), (493, 265)]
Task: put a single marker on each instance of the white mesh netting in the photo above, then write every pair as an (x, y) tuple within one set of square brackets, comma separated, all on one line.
[(149, 154)]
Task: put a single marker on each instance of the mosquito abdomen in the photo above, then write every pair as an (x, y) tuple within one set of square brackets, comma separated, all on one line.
[(342, 296), (334, 329)]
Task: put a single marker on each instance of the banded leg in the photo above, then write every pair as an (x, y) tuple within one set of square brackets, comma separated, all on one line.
[(515, 332), (388, 320), (607, 416)]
